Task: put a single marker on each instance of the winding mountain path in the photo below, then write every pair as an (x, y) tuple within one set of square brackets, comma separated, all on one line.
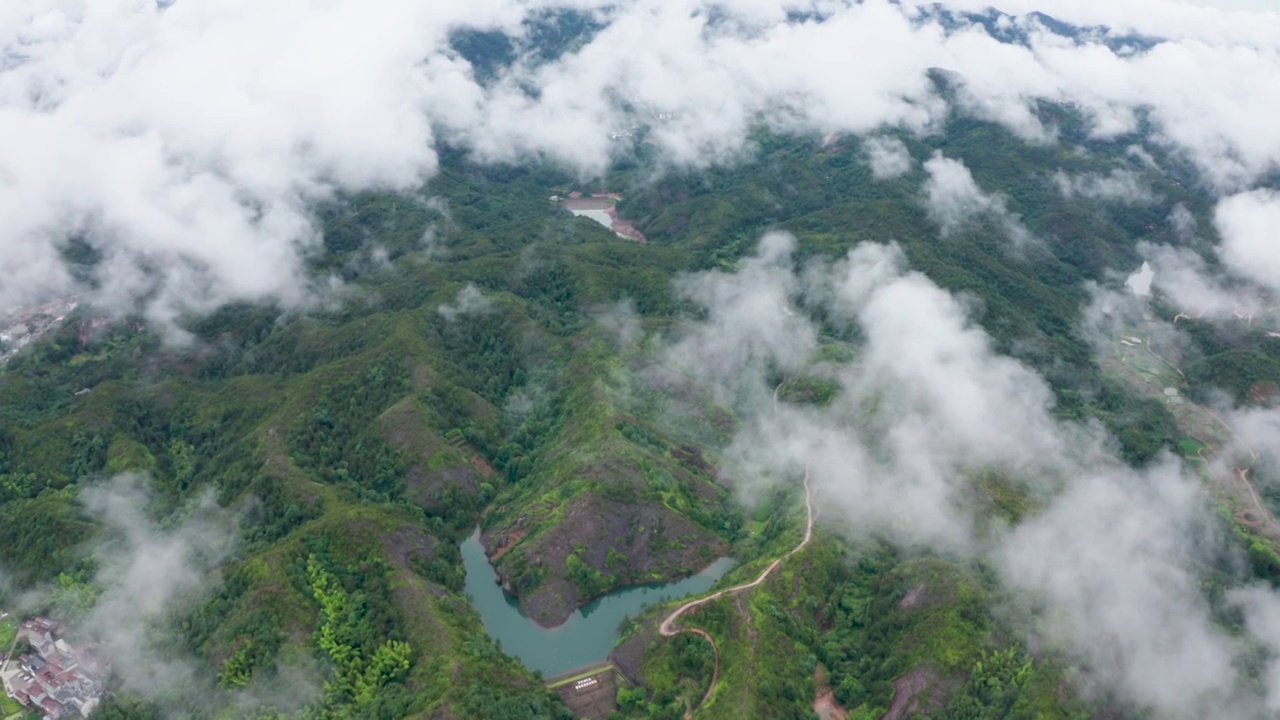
[(1265, 519), (669, 629)]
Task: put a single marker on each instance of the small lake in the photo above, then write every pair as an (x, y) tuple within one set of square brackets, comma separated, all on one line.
[(588, 635), (600, 216)]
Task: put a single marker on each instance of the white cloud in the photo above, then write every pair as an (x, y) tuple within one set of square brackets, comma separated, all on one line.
[(1256, 6), (888, 157), (1262, 618), (1210, 20), (1114, 559), (1249, 224), (953, 198), (749, 324), (1245, 284), (1109, 567), (1119, 185), (927, 401), (1197, 290), (953, 195), (189, 142), (152, 573), (146, 573), (469, 301)]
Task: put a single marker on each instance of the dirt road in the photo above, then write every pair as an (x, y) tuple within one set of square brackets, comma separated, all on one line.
[(668, 628)]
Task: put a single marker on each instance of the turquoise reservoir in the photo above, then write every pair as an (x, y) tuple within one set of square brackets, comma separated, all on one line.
[(587, 636)]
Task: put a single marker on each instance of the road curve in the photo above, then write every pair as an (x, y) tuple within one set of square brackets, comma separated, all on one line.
[(668, 628)]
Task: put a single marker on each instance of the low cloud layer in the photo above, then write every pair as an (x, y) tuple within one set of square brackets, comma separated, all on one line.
[(888, 157), (1236, 279), (1112, 563), (1117, 186), (953, 199), (187, 142), (469, 301), (143, 571), (147, 574), (1248, 224), (751, 325)]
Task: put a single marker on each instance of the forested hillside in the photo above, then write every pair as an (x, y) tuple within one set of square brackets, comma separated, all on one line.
[(494, 361)]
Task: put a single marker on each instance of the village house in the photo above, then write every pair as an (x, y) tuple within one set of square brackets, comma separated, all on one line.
[(57, 679)]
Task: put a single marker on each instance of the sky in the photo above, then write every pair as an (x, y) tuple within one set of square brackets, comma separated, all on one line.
[(1246, 5)]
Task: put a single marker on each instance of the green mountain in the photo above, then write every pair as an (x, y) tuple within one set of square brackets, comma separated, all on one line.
[(498, 362)]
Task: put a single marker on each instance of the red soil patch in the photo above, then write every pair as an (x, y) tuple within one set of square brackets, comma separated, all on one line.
[(483, 464), (1263, 393), (608, 203), (912, 598), (514, 535), (825, 704), (906, 693), (828, 709)]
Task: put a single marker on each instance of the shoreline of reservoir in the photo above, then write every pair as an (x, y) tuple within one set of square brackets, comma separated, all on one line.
[(588, 635)]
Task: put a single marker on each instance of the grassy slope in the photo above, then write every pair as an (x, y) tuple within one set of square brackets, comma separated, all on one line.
[(876, 621), (8, 631), (613, 491)]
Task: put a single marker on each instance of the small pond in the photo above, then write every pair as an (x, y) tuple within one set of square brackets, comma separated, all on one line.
[(600, 216), (588, 635)]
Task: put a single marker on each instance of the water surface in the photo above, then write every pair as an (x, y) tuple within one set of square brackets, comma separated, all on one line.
[(600, 216), (588, 635)]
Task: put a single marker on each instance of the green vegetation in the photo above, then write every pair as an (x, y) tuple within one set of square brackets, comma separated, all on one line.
[(1004, 685), (371, 440), (10, 707), (8, 632), (808, 390), (1236, 371), (359, 675), (870, 615), (358, 446)]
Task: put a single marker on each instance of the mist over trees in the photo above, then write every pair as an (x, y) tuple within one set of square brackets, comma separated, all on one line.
[(320, 314)]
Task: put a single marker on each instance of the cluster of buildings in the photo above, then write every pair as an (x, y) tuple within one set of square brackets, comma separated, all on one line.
[(56, 679), (23, 327)]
